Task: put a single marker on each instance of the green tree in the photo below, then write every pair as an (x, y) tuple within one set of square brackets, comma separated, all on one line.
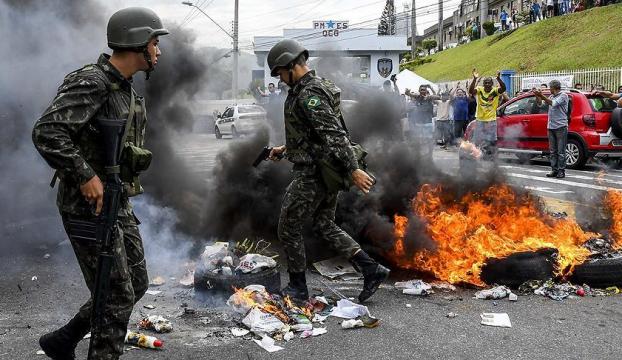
[(429, 44), (489, 27), (387, 20)]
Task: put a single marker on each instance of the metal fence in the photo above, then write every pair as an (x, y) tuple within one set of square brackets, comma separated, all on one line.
[(609, 78)]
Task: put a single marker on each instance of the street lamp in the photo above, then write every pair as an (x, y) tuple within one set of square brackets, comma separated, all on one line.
[(234, 36)]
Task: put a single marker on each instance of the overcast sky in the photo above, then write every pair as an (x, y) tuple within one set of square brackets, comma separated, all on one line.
[(269, 17)]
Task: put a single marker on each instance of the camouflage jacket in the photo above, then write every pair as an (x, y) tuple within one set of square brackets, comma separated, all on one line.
[(68, 139), (312, 110)]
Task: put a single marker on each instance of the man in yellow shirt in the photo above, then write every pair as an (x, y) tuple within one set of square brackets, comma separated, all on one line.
[(487, 96)]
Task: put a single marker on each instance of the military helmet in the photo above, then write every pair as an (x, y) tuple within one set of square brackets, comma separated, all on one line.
[(133, 27), (284, 53)]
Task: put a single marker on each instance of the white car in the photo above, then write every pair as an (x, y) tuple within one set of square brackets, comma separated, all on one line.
[(239, 119)]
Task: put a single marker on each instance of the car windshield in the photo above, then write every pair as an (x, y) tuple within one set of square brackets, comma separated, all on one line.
[(601, 104), (246, 109)]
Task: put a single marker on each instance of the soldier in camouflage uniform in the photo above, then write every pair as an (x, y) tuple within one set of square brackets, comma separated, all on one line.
[(313, 128), (68, 139)]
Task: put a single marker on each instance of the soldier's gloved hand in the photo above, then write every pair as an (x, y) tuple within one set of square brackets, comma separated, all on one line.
[(93, 192), (277, 150), (362, 180)]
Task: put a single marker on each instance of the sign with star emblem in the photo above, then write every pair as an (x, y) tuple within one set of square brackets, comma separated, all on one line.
[(385, 67), (330, 28)]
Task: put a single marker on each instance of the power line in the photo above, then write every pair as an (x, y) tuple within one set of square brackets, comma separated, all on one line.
[(314, 34)]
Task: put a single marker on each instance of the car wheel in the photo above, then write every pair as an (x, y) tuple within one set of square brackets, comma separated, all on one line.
[(234, 132), (576, 155), (217, 133), (616, 122), (524, 158)]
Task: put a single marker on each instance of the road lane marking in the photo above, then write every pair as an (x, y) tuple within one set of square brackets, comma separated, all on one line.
[(562, 182), (548, 190)]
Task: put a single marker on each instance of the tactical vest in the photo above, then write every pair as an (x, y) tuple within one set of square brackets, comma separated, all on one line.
[(134, 157), (302, 142)]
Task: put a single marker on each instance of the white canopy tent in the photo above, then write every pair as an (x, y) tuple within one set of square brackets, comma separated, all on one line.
[(407, 79)]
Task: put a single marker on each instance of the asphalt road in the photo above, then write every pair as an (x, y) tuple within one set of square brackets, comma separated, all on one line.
[(541, 328)]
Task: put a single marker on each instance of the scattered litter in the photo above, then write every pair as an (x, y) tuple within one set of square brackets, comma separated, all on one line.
[(254, 263), (409, 305), (46, 256), (496, 319), (155, 322), (315, 332), (451, 315), (142, 340), (187, 279), (414, 287), (40, 352), (34, 278), (242, 301), (581, 292), (237, 332), (157, 281), (301, 327), (225, 270), (228, 260), (336, 267), (556, 291), (495, 293), (149, 306), (443, 286), (288, 336), (352, 323), (153, 292), (267, 343), (369, 322), (260, 322), (513, 297), (322, 299), (346, 309), (213, 254), (319, 318), (189, 311)]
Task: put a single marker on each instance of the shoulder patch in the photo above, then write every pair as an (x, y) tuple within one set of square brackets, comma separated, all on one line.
[(312, 102)]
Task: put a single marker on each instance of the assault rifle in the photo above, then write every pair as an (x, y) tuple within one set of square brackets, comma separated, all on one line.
[(112, 131)]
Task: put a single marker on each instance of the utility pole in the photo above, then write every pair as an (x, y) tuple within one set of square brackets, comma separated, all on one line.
[(236, 51), (440, 25), (413, 31), (483, 17)]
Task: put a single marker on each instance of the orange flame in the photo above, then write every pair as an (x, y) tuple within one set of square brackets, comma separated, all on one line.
[(613, 203), (493, 224)]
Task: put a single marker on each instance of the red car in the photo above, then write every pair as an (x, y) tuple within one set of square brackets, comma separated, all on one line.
[(595, 128)]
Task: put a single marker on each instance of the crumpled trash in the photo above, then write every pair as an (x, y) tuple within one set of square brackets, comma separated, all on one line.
[(238, 332), (556, 291), (414, 287), (336, 267), (314, 332), (157, 323), (157, 281), (496, 319), (301, 327), (498, 292), (288, 336), (267, 343), (443, 286), (260, 322), (238, 302), (213, 255), (254, 263), (187, 279), (346, 309), (513, 297), (352, 323)]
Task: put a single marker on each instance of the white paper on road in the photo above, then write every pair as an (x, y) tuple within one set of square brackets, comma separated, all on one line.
[(153, 292), (261, 322), (268, 344), (496, 319), (335, 267), (346, 309), (237, 332)]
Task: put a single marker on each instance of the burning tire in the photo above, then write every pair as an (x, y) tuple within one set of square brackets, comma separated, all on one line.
[(599, 273), (207, 280), (517, 268)]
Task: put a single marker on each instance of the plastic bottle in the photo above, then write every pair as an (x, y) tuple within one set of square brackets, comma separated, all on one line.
[(142, 340)]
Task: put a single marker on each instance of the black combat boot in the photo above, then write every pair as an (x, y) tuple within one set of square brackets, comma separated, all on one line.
[(373, 274), (561, 174), (61, 344), (297, 287), (553, 173)]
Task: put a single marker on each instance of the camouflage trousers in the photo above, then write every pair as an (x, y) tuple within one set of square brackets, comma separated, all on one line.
[(128, 279), (307, 198)]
